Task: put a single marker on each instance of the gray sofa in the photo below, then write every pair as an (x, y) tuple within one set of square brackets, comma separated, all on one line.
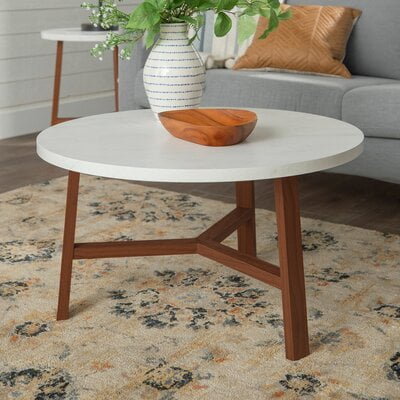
[(369, 100)]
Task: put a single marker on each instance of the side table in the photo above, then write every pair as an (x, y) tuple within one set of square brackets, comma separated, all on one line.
[(74, 35)]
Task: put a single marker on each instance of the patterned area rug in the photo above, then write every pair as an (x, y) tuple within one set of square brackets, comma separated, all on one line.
[(184, 327)]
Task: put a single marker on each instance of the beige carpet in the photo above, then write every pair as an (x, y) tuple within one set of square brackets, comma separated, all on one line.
[(184, 327)]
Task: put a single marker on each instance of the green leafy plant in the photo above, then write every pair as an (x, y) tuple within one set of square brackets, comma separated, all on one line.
[(146, 18)]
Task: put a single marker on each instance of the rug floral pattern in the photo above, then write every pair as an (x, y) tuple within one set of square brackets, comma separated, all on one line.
[(183, 327)]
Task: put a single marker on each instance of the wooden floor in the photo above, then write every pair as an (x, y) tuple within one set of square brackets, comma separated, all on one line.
[(336, 198)]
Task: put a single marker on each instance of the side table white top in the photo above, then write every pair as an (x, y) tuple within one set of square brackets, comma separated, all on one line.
[(74, 35), (134, 145)]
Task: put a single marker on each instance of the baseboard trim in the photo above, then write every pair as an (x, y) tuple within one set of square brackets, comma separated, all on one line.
[(22, 120)]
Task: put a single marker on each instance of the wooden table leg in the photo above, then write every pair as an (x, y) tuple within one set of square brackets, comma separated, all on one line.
[(289, 277), (247, 232), (68, 246), (291, 268), (116, 77), (57, 84)]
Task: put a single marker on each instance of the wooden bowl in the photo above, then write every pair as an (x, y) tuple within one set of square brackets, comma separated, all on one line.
[(210, 127)]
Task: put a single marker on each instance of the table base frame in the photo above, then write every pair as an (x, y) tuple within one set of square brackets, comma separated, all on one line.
[(289, 277), (55, 119)]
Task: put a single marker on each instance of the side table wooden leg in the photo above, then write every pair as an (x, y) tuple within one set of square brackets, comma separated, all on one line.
[(116, 77), (68, 246), (57, 83), (291, 267), (246, 232)]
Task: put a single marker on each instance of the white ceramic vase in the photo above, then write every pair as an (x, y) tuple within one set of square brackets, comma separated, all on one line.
[(174, 74)]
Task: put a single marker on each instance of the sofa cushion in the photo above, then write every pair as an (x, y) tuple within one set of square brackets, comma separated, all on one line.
[(379, 160), (374, 109), (295, 92), (374, 47), (313, 40)]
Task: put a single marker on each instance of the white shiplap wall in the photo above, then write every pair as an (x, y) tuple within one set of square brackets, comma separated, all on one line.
[(27, 66)]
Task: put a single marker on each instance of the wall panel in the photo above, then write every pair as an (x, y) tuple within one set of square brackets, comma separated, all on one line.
[(27, 66)]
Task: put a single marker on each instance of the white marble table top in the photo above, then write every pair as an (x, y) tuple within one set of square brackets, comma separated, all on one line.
[(134, 145), (73, 35)]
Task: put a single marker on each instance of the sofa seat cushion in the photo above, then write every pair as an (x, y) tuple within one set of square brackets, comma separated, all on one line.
[(295, 92), (374, 109)]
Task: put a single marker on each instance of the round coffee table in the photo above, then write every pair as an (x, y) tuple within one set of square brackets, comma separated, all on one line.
[(75, 35), (133, 145)]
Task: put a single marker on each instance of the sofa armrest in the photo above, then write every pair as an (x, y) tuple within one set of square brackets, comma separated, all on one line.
[(374, 109), (127, 74)]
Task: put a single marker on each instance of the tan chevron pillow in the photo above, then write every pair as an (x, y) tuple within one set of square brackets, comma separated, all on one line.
[(314, 40)]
